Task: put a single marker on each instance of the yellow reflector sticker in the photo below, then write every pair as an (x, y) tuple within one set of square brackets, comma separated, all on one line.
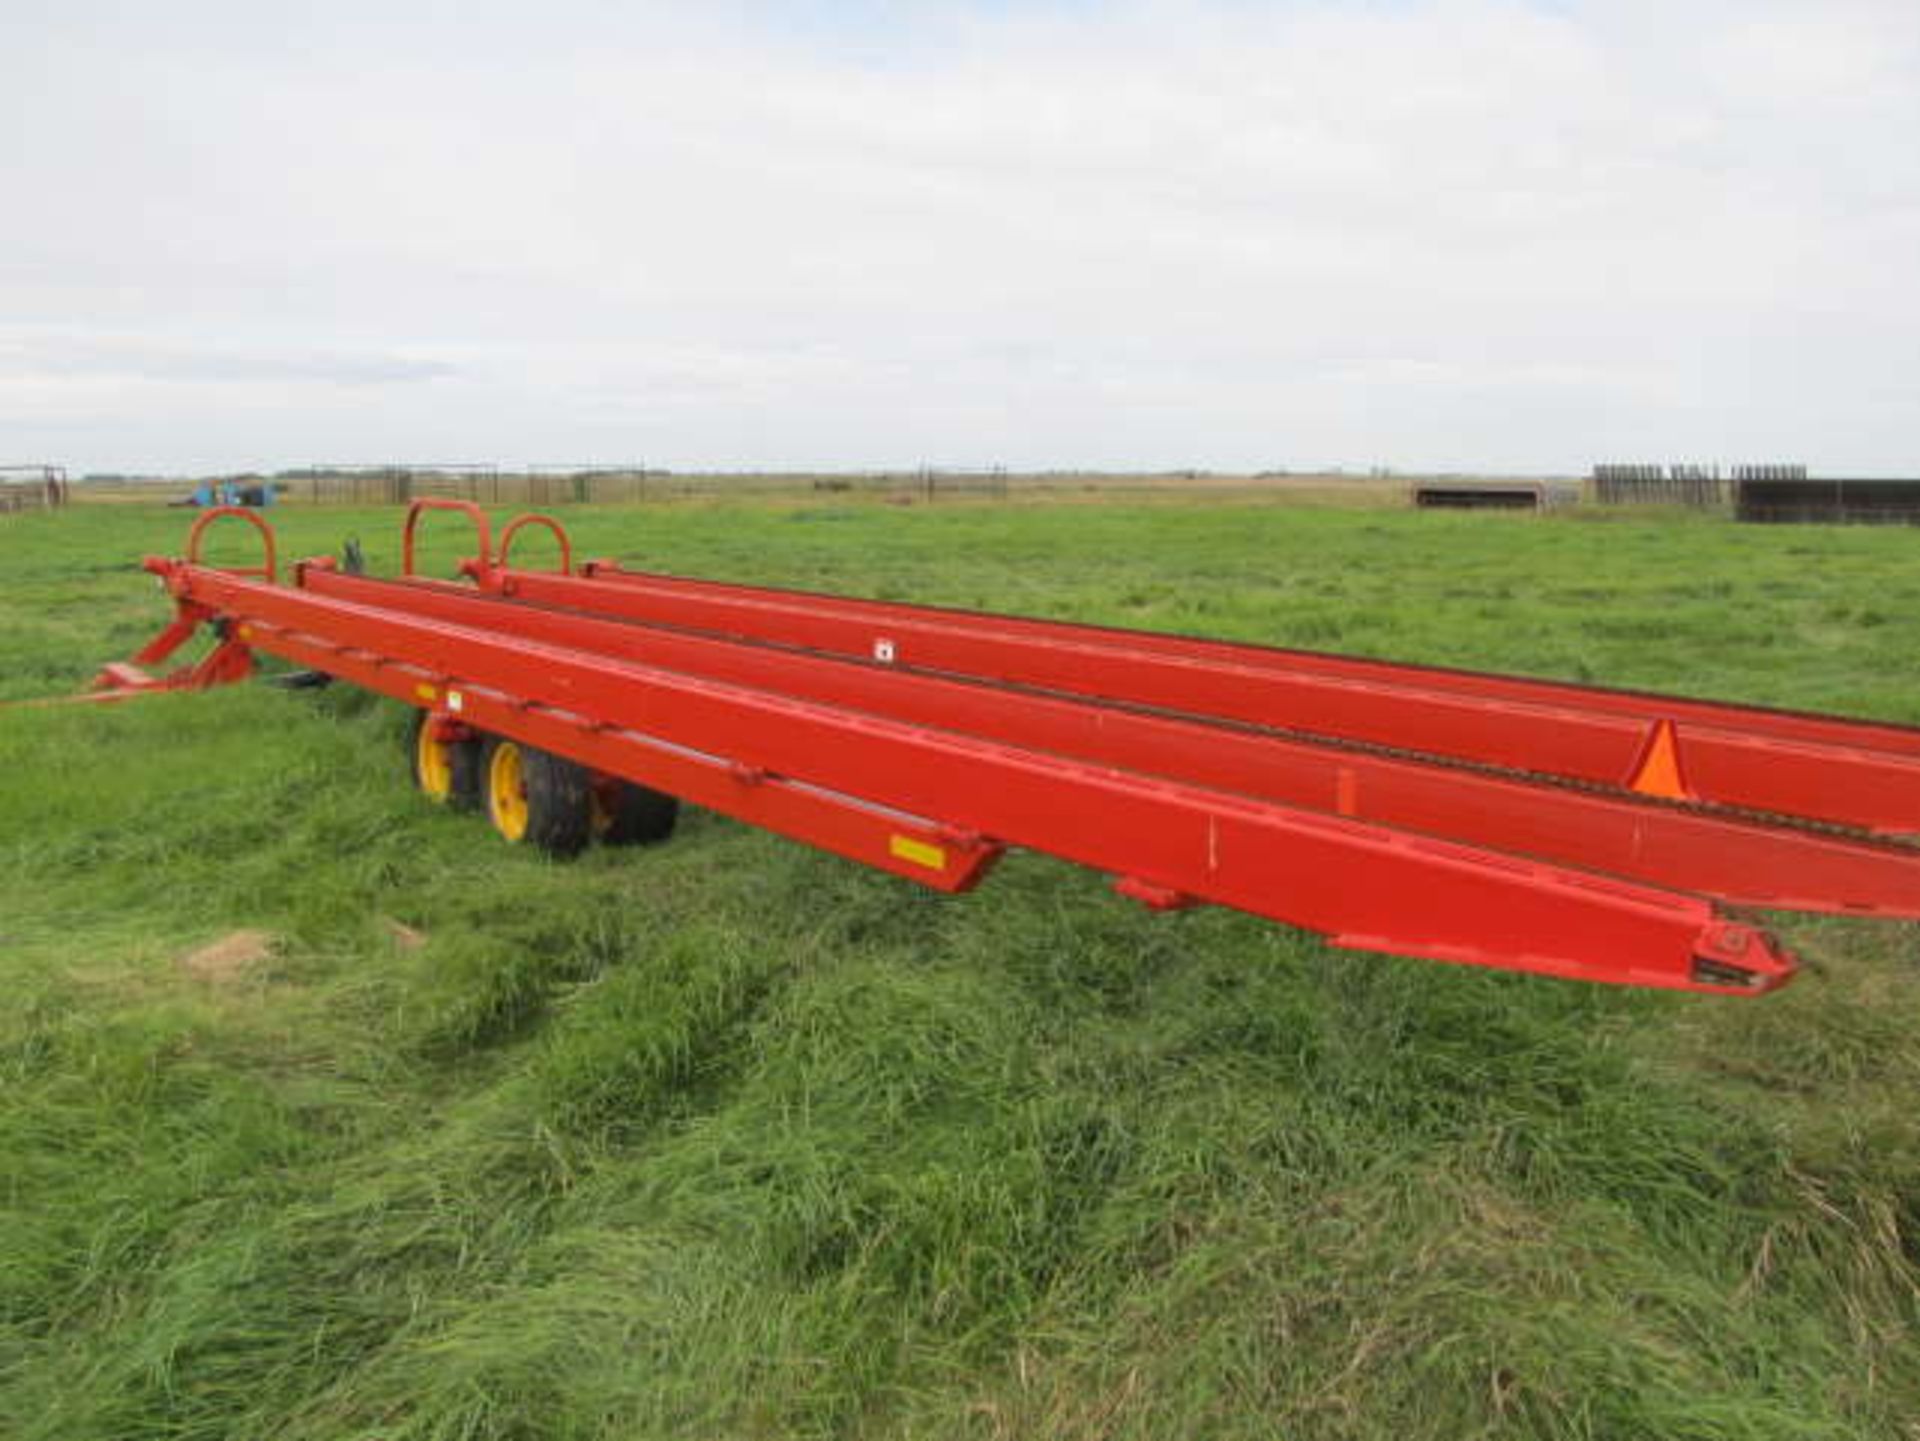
[(906, 848), (425, 692), (246, 632)]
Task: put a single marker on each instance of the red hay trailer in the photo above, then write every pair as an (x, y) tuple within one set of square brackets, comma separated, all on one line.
[(1565, 830)]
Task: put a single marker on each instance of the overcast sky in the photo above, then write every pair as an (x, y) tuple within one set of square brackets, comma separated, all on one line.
[(1500, 235)]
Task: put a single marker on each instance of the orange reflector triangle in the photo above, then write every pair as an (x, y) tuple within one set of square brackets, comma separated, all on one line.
[(1658, 773)]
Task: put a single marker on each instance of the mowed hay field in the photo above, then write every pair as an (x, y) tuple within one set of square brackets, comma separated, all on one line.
[(327, 1115)]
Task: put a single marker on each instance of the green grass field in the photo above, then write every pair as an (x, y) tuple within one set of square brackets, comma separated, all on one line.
[(733, 1139)]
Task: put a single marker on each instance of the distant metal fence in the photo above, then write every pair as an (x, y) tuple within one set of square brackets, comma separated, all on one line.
[(1698, 486), (582, 485), (32, 487), (1786, 500), (926, 483), (488, 484)]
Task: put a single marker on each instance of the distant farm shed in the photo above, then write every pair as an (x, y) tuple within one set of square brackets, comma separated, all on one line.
[(1456, 494)]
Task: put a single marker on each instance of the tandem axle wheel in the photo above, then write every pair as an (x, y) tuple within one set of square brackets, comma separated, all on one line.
[(532, 796)]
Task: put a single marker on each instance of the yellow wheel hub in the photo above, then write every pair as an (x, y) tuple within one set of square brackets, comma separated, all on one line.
[(507, 791), (433, 764)]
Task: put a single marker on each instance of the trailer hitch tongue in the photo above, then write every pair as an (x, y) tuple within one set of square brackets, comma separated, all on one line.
[(1733, 956)]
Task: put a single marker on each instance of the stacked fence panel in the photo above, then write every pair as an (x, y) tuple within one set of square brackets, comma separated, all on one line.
[(1695, 486), (1802, 500)]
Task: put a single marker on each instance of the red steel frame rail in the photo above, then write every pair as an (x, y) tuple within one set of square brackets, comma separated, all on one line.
[(1736, 859), (1820, 768)]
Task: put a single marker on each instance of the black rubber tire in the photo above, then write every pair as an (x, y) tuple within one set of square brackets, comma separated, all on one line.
[(463, 759), (558, 795), (626, 814), (300, 680)]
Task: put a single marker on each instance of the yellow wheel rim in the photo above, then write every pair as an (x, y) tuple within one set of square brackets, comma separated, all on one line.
[(433, 764), (507, 791)]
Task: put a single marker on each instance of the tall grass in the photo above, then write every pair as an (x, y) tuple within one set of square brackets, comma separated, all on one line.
[(730, 1138)]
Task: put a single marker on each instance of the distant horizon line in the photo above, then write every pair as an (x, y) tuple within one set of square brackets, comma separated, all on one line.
[(1345, 472)]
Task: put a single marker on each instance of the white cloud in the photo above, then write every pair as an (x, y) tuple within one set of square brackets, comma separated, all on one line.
[(1453, 233)]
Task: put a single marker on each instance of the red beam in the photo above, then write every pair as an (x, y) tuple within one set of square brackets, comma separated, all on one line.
[(1731, 858), (1821, 768), (921, 850)]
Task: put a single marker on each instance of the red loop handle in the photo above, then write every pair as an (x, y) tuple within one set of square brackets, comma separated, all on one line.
[(559, 534), (270, 570), (466, 507)]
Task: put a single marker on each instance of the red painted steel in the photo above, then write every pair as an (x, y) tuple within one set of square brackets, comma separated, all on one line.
[(1732, 858), (267, 569), (1851, 773), (557, 530), (928, 852), (1364, 885), (482, 529), (226, 663), (1805, 726)]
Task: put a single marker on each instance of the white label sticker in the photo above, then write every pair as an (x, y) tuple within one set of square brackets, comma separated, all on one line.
[(455, 700), (883, 651)]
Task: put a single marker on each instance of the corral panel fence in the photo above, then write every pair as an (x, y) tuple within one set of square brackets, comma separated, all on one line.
[(588, 484), (989, 482), (582, 485), (538, 485), (486, 484), (349, 485), (1778, 500), (927, 482), (32, 487), (1698, 486)]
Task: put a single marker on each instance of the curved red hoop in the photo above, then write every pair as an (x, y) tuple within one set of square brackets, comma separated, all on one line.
[(465, 507), (558, 530), (270, 570)]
